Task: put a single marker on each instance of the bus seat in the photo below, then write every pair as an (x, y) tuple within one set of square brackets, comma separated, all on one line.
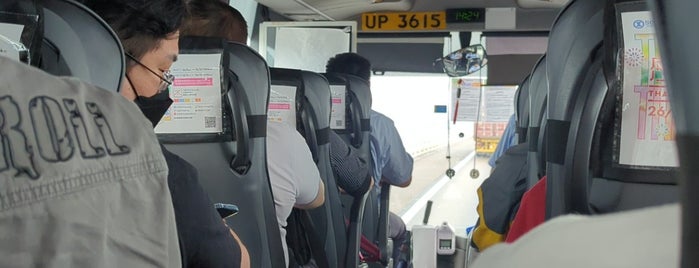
[(538, 90), (362, 214), (313, 122), (231, 160), (76, 42), (522, 109), (574, 36), (600, 181), (533, 87), (597, 181), (319, 110), (79, 43), (674, 27)]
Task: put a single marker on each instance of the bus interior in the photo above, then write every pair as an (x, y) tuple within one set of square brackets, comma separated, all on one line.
[(581, 80)]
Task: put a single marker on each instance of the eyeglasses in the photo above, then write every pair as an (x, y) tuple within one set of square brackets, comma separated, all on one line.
[(167, 77)]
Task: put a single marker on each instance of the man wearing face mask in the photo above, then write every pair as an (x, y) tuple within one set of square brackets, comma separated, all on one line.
[(149, 32)]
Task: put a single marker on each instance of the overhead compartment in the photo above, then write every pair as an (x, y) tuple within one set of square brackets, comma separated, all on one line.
[(512, 57), (415, 53)]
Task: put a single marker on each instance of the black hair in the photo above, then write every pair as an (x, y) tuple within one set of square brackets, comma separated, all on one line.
[(211, 18), (349, 63), (140, 24)]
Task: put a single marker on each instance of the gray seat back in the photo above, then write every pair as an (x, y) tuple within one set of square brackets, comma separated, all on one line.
[(679, 19), (232, 163), (575, 35), (357, 134), (522, 109), (318, 111), (602, 179), (74, 41), (313, 121), (538, 90), (79, 43), (586, 170)]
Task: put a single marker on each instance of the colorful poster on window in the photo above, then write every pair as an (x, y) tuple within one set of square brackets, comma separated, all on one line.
[(338, 95), (465, 95), (647, 127), (282, 105), (498, 103), (196, 95)]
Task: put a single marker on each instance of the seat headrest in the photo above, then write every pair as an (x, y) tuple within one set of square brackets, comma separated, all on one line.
[(354, 83), (78, 43)]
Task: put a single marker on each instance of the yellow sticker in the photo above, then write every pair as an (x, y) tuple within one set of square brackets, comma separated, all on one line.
[(404, 21)]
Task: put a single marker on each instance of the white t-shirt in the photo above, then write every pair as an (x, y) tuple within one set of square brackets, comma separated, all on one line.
[(294, 176)]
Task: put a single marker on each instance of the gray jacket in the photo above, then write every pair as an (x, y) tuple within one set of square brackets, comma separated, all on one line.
[(83, 182)]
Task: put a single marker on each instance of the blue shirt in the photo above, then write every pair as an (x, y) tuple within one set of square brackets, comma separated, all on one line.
[(508, 139), (391, 161)]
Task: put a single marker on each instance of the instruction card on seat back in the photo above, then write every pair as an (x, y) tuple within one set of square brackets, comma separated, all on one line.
[(196, 95), (338, 96), (282, 105)]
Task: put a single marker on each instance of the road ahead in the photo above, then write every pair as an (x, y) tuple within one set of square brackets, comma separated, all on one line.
[(454, 200)]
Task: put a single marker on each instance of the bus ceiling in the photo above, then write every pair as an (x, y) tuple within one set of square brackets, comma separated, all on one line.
[(382, 16)]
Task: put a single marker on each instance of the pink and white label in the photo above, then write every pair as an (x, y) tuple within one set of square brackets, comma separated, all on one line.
[(190, 82), (279, 106)]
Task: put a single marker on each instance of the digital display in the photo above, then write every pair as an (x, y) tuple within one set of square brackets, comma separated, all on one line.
[(444, 243), (466, 15)]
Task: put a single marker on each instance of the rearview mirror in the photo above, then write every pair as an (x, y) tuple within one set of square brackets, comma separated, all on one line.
[(464, 61)]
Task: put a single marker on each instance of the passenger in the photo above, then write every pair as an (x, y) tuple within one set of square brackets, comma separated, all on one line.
[(499, 197), (66, 203), (392, 164), (500, 194), (294, 176), (149, 32), (508, 139), (531, 211), (646, 237)]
